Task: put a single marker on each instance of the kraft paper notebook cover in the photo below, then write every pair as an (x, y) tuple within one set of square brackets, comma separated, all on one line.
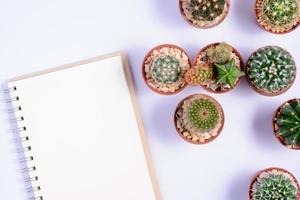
[(82, 132)]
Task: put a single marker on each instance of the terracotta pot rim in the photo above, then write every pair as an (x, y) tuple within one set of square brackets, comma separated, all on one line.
[(261, 26), (261, 92), (208, 140), (270, 169), (144, 73), (280, 139), (228, 2), (242, 65)]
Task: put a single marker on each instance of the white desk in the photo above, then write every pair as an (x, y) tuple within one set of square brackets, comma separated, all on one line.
[(36, 35)]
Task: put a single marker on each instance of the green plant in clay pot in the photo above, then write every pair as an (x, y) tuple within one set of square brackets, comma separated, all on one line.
[(274, 184), (278, 16), (271, 70), (286, 124), (164, 67), (226, 66), (204, 13), (199, 119)]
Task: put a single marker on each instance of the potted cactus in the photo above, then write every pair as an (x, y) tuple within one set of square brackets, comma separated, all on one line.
[(278, 16), (163, 69), (204, 13), (199, 119), (271, 70), (218, 68), (286, 124), (274, 184)]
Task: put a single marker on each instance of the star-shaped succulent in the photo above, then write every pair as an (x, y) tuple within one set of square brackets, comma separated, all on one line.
[(228, 73)]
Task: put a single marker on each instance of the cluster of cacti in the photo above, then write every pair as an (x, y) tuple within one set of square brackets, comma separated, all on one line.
[(166, 69), (274, 185), (279, 15), (202, 114), (200, 74), (228, 73), (271, 69), (219, 54), (288, 123), (206, 10)]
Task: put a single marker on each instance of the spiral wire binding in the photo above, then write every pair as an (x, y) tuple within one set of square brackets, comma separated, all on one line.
[(30, 169)]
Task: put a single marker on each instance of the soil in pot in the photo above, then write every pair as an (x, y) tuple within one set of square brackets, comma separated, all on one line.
[(163, 69), (278, 16), (271, 70), (286, 124), (199, 119), (218, 68), (204, 13), (274, 184)]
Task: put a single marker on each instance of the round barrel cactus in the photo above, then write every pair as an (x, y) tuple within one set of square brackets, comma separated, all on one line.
[(287, 123), (278, 16), (199, 119), (271, 70), (206, 10), (199, 74), (203, 114), (166, 69), (274, 184)]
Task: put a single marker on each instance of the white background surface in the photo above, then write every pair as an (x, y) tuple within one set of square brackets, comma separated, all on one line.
[(36, 35)]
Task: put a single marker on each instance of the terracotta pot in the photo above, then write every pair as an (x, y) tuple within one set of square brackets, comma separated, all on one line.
[(204, 27), (241, 64), (270, 31), (190, 140), (266, 93), (280, 138), (270, 169), (144, 73)]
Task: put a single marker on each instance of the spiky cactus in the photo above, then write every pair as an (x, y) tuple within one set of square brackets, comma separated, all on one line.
[(166, 69), (202, 114), (279, 15), (274, 185), (206, 10), (219, 54), (271, 69), (199, 74), (287, 123)]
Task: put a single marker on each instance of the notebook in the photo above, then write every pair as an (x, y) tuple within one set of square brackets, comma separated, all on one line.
[(82, 133)]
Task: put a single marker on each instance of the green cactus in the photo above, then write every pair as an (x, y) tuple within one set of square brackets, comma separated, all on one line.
[(274, 185), (199, 74), (271, 69), (206, 10), (288, 121), (228, 73), (203, 114), (166, 69), (219, 54), (283, 13)]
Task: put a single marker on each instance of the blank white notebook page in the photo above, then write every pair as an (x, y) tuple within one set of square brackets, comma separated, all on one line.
[(84, 134)]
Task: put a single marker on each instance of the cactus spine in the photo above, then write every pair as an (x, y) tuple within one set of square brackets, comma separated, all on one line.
[(206, 10), (274, 185), (280, 15), (166, 69), (200, 74), (202, 115), (288, 122), (271, 69)]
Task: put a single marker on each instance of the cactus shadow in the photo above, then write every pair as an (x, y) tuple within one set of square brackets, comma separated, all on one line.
[(162, 123), (167, 12), (245, 16), (239, 187), (262, 126)]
